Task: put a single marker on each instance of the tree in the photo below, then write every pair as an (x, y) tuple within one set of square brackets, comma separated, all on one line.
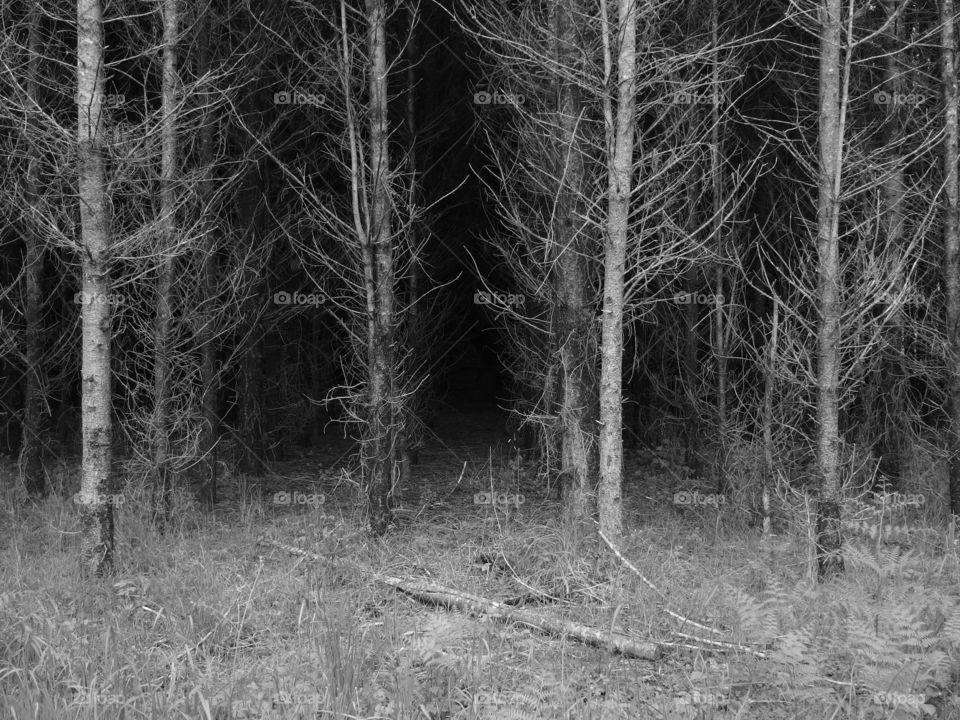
[(951, 239), (829, 537), (620, 133), (550, 242), (165, 287), (574, 330), (379, 274), (96, 503)]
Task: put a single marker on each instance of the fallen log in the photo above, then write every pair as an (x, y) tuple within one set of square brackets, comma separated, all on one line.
[(448, 597)]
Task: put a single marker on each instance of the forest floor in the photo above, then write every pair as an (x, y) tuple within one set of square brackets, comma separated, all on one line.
[(218, 618)]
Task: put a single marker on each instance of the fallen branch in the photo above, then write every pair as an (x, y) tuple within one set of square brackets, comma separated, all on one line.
[(429, 592), (440, 595), (668, 611), (716, 644)]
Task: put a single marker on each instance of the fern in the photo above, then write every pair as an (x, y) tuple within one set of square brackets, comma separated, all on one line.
[(951, 628), (891, 637), (751, 615)]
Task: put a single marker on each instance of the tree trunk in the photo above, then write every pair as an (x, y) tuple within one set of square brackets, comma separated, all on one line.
[(96, 503), (161, 369), (620, 168), (32, 431), (829, 539), (574, 331), (951, 241), (382, 424)]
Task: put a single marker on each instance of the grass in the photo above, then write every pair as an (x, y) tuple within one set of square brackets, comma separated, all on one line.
[(204, 622)]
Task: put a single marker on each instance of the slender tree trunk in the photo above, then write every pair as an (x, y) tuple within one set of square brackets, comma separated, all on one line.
[(951, 240), (209, 378), (382, 426), (829, 539), (574, 331), (96, 503), (168, 224), (32, 430), (620, 168)]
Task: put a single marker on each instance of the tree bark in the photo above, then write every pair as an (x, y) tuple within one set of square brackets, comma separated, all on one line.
[(951, 240), (829, 539), (575, 330), (382, 423), (96, 504), (163, 488), (620, 170)]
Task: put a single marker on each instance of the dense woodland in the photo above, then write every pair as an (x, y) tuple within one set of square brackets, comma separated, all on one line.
[(713, 244)]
